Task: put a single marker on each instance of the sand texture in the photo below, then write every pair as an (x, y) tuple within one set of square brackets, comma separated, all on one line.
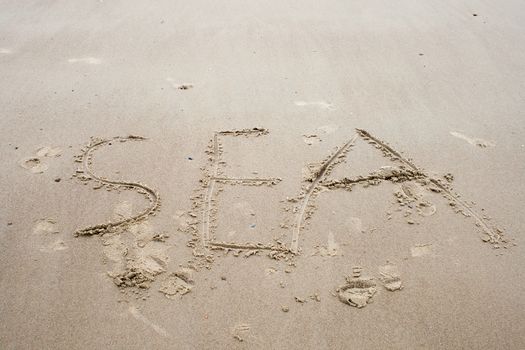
[(262, 174)]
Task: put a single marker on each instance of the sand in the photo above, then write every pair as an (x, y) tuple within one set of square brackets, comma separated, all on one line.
[(254, 175)]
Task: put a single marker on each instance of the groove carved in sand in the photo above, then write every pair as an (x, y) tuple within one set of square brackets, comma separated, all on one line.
[(406, 172), (317, 177), (493, 235), (85, 173), (215, 178)]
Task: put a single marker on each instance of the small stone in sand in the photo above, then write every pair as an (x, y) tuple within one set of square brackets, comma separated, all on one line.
[(58, 179), (285, 308)]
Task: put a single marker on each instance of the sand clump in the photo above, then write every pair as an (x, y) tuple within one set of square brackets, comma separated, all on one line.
[(133, 277), (179, 282)]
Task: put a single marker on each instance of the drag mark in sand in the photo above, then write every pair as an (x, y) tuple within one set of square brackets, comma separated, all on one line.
[(492, 235), (405, 172), (179, 86), (140, 317), (216, 152), (86, 174), (472, 140), (318, 176)]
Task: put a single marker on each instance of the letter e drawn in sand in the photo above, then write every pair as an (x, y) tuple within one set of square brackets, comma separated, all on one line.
[(215, 178)]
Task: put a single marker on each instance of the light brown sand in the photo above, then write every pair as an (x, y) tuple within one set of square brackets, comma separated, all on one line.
[(264, 238)]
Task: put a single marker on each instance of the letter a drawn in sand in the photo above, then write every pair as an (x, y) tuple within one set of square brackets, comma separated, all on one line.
[(404, 171)]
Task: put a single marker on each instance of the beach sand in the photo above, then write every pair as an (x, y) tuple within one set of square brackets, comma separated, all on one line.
[(262, 174)]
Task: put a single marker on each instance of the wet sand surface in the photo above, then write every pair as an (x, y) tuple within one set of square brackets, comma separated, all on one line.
[(278, 174)]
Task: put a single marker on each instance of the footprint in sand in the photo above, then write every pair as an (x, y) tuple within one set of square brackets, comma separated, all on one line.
[(54, 246), (357, 292), (312, 139), (318, 104), (45, 226), (36, 164), (240, 331), (136, 251), (179, 86), (390, 277), (85, 60), (421, 250), (179, 282), (49, 152), (355, 225), (414, 192), (43, 229), (331, 248), (328, 129), (472, 140)]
